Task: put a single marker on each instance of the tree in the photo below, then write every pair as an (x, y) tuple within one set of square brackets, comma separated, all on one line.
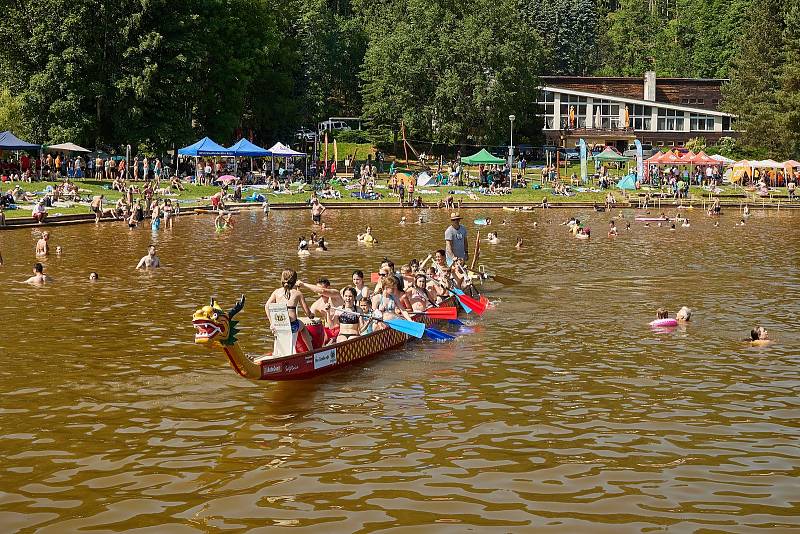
[(752, 93), (11, 113)]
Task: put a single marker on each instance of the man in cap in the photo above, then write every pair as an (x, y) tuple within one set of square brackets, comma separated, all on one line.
[(456, 239)]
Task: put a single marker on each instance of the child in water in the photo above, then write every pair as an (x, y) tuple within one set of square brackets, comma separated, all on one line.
[(662, 313)]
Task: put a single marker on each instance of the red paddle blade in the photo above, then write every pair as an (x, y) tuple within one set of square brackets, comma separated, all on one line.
[(475, 305), (374, 277), (484, 301), (449, 312)]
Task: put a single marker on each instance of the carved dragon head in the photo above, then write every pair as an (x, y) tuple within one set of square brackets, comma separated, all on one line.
[(215, 325)]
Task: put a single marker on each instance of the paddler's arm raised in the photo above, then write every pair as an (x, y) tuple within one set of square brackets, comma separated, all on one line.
[(319, 290), (305, 307)]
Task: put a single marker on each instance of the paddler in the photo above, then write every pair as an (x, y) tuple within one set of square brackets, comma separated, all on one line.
[(292, 297), (329, 298), (418, 295), (386, 304)]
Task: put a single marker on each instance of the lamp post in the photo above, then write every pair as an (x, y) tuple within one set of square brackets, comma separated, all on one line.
[(511, 146)]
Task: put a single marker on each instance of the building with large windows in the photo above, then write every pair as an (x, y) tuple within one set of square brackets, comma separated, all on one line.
[(615, 111)]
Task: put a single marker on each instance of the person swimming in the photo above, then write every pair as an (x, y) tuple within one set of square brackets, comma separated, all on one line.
[(612, 229), (321, 247), (302, 247), (684, 314), (759, 337), (492, 238), (519, 243), (367, 237)]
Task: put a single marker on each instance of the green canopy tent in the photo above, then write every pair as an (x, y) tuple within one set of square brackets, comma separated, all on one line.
[(609, 155), (482, 158)]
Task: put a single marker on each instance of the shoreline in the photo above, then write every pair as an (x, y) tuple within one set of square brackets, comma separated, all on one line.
[(530, 207)]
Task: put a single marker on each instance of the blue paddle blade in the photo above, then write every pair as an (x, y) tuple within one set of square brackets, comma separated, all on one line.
[(455, 322), (411, 328), (438, 334), (433, 335)]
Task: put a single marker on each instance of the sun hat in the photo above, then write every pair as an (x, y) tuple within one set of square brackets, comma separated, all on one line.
[(455, 216)]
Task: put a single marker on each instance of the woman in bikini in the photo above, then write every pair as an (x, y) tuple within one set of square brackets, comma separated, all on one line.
[(292, 297), (418, 295), (169, 213), (362, 291), (351, 323), (386, 304)]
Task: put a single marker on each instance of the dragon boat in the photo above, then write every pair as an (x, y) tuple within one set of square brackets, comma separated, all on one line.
[(216, 327)]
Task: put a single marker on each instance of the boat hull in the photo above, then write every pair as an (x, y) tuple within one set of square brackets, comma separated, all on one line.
[(331, 357)]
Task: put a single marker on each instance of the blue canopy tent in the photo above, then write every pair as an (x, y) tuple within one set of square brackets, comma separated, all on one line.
[(627, 182), (279, 150), (204, 147), (9, 141), (246, 149)]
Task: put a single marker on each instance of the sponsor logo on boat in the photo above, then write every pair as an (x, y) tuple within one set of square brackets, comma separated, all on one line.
[(324, 358), (269, 369), (288, 368)]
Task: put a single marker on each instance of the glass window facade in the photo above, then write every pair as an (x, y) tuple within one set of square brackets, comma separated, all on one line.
[(609, 114), (670, 120), (701, 123), (579, 103), (547, 102), (641, 117)]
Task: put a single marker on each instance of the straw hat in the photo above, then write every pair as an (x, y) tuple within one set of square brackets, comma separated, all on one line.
[(455, 216)]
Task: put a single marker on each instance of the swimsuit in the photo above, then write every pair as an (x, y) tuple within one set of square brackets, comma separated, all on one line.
[(348, 317), (316, 218), (296, 324)]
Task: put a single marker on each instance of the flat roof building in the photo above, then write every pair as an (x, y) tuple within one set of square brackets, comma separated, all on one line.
[(615, 111)]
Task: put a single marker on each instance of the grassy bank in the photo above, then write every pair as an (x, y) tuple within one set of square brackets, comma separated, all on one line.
[(198, 195)]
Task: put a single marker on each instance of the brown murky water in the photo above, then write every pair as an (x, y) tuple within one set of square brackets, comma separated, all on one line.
[(559, 410)]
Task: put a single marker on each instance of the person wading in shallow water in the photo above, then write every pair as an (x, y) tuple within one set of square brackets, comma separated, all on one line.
[(38, 278), (150, 261)]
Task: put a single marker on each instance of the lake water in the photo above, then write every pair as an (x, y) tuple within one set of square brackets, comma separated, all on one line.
[(558, 410)]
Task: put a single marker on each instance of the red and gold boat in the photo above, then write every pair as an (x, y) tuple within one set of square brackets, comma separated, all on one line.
[(215, 327)]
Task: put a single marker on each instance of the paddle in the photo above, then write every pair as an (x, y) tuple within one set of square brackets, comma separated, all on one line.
[(447, 312), (438, 335), (455, 322), (475, 305), (503, 280), (411, 328)]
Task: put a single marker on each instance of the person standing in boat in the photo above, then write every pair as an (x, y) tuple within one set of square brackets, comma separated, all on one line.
[(323, 307), (293, 298), (455, 238)]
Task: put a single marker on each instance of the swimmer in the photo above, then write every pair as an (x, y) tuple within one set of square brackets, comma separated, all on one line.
[(38, 278), (366, 237), (93, 276), (672, 227), (492, 238), (746, 211), (759, 337), (627, 226), (612, 229), (150, 261), (740, 223), (716, 224), (535, 224), (302, 247), (488, 221), (42, 247), (685, 223), (321, 245), (403, 219), (419, 220), (324, 226), (662, 313), (519, 243), (503, 223), (684, 314)]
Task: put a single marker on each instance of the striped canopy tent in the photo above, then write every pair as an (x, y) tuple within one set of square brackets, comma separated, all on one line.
[(791, 164), (671, 158), (740, 169), (704, 159), (723, 160)]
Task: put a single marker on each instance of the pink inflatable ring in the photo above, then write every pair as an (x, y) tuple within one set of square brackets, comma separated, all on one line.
[(664, 323)]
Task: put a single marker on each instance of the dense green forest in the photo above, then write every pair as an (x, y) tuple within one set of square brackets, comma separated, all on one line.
[(155, 73)]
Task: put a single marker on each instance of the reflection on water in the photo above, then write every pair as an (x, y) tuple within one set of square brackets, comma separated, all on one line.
[(560, 408)]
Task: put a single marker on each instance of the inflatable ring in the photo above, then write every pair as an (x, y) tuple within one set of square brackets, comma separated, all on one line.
[(662, 323)]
